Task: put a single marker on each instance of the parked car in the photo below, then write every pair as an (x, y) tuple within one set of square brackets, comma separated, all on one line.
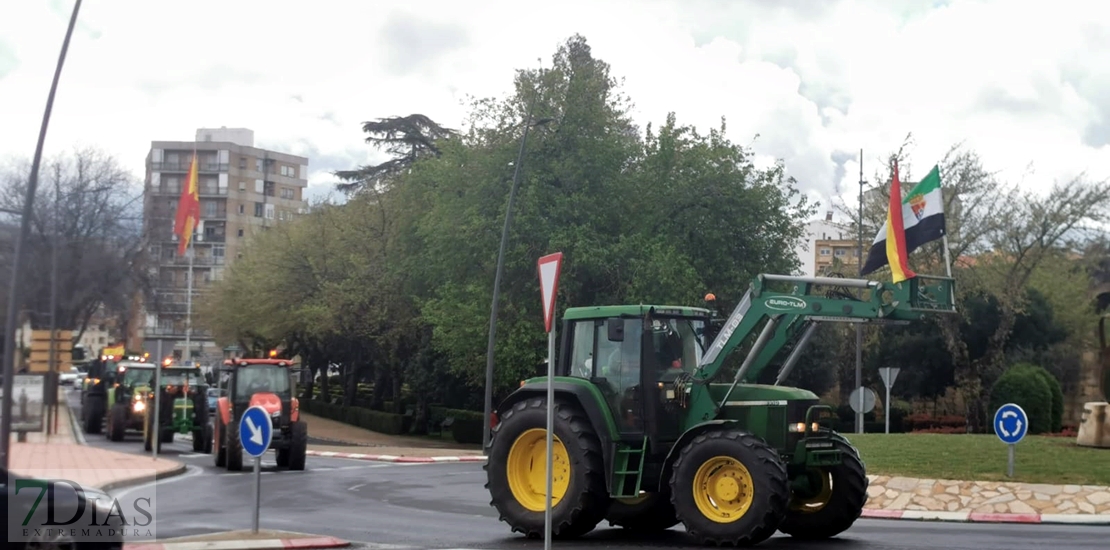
[(71, 377), (110, 537)]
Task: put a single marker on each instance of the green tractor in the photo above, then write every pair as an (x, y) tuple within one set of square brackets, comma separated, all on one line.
[(646, 438), (184, 409), (127, 398)]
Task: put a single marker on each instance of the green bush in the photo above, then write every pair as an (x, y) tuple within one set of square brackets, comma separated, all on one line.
[(1056, 416), (1028, 389)]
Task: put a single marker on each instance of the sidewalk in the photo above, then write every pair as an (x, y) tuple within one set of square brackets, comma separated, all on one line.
[(64, 455), (364, 442)]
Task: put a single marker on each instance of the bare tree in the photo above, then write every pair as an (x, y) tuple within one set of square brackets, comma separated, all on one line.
[(89, 207)]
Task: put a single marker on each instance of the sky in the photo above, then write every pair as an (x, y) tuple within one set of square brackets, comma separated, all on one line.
[(1023, 83)]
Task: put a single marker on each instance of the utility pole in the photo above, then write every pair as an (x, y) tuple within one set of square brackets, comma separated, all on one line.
[(20, 250), (52, 378), (859, 326)]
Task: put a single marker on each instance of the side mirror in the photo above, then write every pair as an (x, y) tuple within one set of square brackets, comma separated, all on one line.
[(615, 330)]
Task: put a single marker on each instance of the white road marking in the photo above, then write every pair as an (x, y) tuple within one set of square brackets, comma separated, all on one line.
[(355, 487)]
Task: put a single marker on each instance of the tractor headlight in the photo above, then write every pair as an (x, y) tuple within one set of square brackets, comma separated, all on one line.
[(138, 406), (801, 427)]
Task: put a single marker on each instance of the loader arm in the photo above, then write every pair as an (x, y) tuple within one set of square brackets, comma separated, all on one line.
[(791, 316)]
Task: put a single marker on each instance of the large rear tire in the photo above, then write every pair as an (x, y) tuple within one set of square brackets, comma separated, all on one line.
[(516, 470), (651, 513), (93, 410), (838, 503), (298, 445), (218, 441), (729, 488), (117, 423), (234, 449)]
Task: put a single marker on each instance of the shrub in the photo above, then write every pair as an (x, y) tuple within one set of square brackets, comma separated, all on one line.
[(375, 421), (1056, 416), (1027, 389)]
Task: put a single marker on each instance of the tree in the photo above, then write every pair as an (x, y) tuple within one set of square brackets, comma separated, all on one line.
[(87, 205), (408, 139)]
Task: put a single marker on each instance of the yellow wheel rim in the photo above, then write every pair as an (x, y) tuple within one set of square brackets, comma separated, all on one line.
[(723, 489), (526, 470), (817, 502)]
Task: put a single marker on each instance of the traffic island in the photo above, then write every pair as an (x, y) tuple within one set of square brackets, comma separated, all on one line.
[(264, 539), (986, 501)]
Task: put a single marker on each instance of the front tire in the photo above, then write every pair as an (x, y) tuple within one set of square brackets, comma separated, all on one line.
[(516, 470), (836, 505), (234, 449), (118, 423), (729, 487)]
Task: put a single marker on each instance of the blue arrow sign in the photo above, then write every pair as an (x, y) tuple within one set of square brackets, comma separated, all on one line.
[(1010, 423), (255, 431)]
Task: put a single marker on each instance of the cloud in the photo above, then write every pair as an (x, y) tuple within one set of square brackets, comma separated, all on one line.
[(1020, 81)]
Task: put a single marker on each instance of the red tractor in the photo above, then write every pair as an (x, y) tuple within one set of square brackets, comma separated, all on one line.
[(266, 383)]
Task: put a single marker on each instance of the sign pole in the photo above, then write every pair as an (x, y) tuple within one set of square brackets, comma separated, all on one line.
[(549, 268), (889, 374), (257, 492), (156, 428), (1010, 460)]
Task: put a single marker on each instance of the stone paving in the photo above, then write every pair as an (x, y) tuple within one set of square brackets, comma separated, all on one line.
[(61, 455), (979, 497)]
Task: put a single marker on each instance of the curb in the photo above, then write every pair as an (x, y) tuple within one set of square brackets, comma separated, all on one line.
[(266, 544), (125, 483), (74, 425), (398, 459), (975, 517)]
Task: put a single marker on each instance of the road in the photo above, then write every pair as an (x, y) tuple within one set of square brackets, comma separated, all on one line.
[(444, 506)]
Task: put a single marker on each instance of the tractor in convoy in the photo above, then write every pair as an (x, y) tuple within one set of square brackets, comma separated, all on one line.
[(183, 405), (268, 383), (646, 436), (107, 384)]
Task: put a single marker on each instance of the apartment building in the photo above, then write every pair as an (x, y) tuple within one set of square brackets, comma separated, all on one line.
[(243, 190)]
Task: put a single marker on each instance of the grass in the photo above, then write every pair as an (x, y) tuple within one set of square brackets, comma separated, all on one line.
[(1038, 459)]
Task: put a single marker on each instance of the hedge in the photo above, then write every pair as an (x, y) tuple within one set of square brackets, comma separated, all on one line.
[(376, 421), (1028, 389), (1056, 416)]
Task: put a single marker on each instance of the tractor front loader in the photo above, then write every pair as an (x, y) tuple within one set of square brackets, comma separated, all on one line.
[(646, 437)]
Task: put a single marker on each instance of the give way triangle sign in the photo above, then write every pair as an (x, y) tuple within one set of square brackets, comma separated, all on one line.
[(549, 267)]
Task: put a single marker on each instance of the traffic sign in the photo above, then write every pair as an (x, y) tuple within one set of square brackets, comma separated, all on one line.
[(255, 431), (889, 374), (868, 396), (549, 267), (1010, 423)]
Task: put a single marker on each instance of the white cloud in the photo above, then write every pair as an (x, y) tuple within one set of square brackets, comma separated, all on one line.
[(1017, 80)]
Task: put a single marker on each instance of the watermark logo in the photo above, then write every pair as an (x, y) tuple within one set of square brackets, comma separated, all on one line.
[(63, 507)]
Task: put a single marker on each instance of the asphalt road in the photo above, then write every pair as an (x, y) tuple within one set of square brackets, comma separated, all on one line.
[(444, 506)]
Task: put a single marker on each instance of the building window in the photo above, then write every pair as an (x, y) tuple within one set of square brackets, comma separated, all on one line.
[(269, 211), (241, 234), (258, 209), (287, 193), (258, 164), (210, 209), (243, 210), (288, 171), (242, 163), (839, 252), (242, 186), (269, 189), (825, 252)]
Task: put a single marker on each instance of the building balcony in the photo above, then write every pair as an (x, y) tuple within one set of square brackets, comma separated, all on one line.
[(175, 333), (202, 166), (197, 261), (203, 190)]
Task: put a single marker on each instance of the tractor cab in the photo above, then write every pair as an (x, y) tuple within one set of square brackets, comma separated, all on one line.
[(635, 355), (266, 383)]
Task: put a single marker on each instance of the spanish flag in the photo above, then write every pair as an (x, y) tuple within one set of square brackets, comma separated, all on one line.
[(188, 209), (891, 239)]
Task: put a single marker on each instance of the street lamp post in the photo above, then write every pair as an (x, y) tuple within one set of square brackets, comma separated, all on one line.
[(20, 246)]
